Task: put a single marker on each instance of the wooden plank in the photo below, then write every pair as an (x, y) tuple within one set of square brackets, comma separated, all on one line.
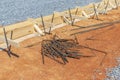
[(26, 37), (77, 17), (19, 29), (38, 29), (66, 20), (113, 6), (16, 26), (85, 14), (10, 42), (17, 33)]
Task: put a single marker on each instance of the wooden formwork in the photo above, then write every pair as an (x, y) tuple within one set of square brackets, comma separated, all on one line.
[(19, 30), (27, 27)]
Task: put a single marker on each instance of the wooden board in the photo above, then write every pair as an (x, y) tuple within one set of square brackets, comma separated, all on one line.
[(11, 42), (20, 32)]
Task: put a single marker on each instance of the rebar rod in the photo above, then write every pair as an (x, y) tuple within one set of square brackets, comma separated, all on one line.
[(70, 16), (7, 44), (43, 24)]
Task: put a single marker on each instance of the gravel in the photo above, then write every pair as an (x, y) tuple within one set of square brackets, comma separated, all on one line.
[(114, 73), (12, 11)]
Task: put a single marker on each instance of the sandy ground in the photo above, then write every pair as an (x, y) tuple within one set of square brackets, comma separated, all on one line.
[(100, 34)]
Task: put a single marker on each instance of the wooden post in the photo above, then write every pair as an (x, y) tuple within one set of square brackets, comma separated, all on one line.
[(43, 24), (7, 44), (70, 17)]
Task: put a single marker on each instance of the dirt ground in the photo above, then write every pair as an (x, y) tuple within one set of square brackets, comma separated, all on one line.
[(102, 34)]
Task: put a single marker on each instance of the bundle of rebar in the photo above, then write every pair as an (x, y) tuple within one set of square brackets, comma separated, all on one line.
[(57, 48)]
